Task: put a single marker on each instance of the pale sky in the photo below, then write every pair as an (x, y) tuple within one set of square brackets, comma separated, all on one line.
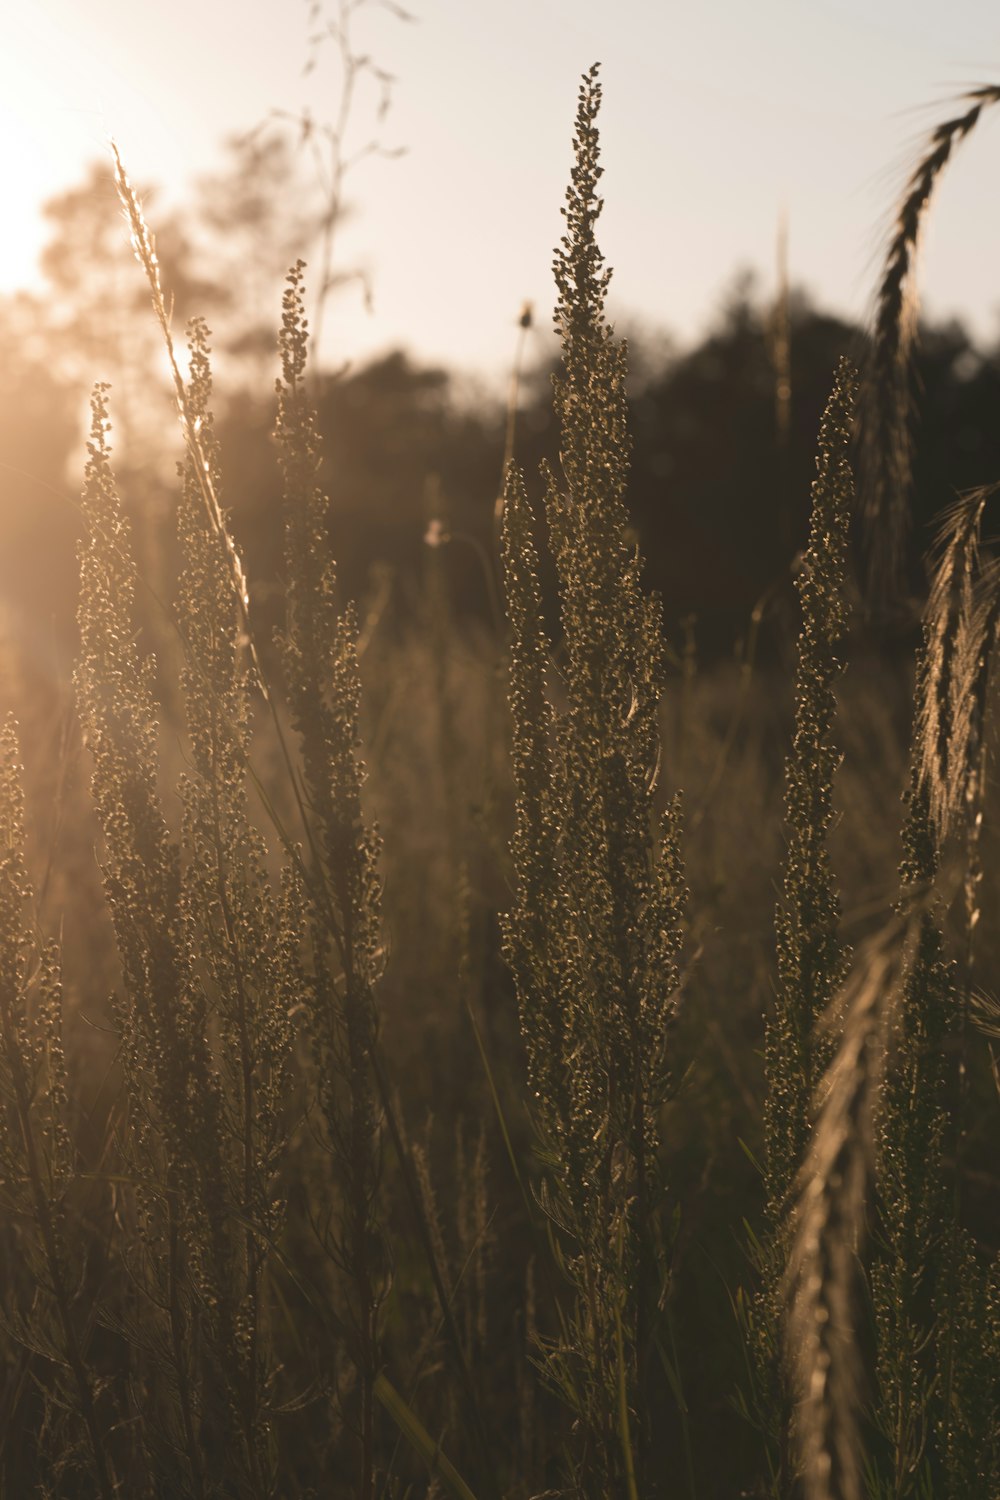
[(717, 116)]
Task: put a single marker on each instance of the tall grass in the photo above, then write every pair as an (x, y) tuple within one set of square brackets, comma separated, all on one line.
[(594, 938), (811, 958), (36, 1156), (890, 405), (319, 656), (236, 1266)]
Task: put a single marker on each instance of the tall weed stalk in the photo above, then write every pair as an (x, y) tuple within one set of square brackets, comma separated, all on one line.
[(199, 963), (938, 1369), (594, 935), (320, 660), (811, 958), (48, 1317)]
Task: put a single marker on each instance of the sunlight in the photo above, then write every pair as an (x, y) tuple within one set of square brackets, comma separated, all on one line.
[(53, 92), (498, 895), (29, 177)]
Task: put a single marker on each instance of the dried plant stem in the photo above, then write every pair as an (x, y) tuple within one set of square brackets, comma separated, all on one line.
[(334, 169), (145, 251)]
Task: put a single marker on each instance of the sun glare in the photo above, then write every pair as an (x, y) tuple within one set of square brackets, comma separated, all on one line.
[(29, 177), (52, 93)]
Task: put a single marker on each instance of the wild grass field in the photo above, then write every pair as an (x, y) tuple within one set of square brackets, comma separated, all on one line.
[(495, 1053)]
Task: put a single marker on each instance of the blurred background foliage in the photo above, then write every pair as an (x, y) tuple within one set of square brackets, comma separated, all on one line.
[(719, 495)]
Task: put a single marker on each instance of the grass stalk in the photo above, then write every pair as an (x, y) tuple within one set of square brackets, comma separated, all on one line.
[(594, 935), (889, 392), (811, 960), (827, 1230), (31, 1063)]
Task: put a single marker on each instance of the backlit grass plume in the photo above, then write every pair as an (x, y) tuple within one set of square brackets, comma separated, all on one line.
[(811, 959), (810, 956), (822, 1279), (145, 252), (320, 660), (176, 1148), (37, 1168), (938, 1352), (961, 621), (889, 384), (230, 917), (594, 935), (916, 1223)]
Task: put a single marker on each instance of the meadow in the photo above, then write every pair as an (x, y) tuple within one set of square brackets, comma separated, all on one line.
[(500, 1055)]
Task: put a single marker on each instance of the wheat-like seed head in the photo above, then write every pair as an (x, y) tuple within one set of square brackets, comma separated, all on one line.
[(960, 626), (887, 442), (145, 251), (828, 1227)]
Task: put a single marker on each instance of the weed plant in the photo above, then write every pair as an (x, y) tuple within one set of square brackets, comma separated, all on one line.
[(357, 1188), (594, 940)]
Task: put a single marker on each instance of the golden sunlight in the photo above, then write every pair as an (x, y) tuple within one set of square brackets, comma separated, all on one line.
[(28, 169), (499, 828)]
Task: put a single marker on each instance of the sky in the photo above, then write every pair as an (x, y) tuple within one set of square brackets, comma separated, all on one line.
[(718, 118)]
